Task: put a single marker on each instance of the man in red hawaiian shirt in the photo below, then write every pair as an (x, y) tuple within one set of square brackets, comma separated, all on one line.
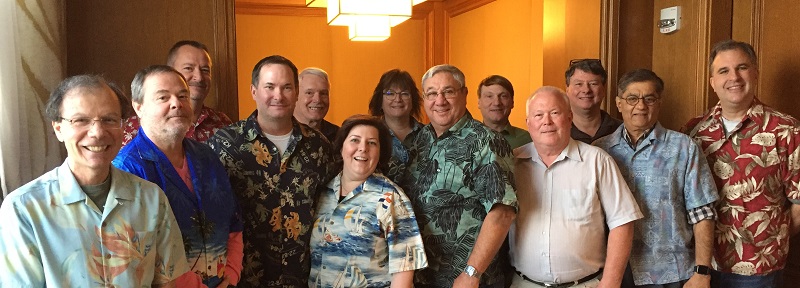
[(754, 152), (192, 60)]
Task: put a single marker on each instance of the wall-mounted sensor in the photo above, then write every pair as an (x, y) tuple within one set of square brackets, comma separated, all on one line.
[(670, 19)]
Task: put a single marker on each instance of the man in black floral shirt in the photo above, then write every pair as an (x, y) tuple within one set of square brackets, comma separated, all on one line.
[(276, 166), (463, 190)]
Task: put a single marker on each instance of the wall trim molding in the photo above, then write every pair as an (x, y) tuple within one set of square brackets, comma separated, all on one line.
[(225, 58)]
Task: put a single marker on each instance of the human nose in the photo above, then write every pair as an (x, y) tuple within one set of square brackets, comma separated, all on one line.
[(176, 102)]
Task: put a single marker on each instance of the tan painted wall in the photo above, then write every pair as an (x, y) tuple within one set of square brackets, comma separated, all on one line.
[(354, 67)]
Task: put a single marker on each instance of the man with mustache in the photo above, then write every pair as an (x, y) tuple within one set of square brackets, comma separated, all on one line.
[(313, 102), (190, 174), (192, 60), (754, 152), (586, 88), (671, 181), (495, 100), (86, 223)]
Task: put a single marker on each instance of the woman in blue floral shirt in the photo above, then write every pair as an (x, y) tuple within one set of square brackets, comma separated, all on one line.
[(365, 233)]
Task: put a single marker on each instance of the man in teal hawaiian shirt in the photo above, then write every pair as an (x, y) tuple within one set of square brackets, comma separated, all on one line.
[(276, 166), (86, 223), (463, 190)]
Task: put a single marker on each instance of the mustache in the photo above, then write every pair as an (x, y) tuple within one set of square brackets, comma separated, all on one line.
[(197, 84)]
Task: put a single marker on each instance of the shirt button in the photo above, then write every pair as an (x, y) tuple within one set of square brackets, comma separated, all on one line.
[(438, 170), (331, 222)]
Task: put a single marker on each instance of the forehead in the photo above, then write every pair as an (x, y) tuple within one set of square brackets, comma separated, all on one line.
[(275, 73), (581, 75), (548, 101), (730, 57), (311, 79), (493, 89), (441, 79), (641, 87), (364, 130), (188, 53), (90, 100), (163, 80)]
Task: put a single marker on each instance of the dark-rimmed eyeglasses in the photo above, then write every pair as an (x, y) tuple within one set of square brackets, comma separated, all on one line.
[(86, 122), (649, 100), (589, 60), (392, 95), (448, 93)]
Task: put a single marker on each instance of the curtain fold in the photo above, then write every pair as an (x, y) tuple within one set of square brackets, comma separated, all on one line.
[(32, 63)]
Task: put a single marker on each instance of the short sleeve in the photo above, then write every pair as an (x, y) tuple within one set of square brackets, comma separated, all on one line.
[(20, 264), (406, 251)]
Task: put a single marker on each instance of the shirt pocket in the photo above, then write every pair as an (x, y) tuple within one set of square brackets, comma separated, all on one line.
[(579, 205)]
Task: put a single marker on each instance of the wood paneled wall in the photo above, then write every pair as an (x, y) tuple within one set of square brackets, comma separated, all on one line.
[(679, 58), (117, 38)]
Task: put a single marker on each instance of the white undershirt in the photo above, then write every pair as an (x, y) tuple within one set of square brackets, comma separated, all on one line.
[(729, 125), (282, 141)]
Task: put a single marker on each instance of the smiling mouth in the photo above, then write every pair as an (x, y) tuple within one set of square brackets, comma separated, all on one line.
[(95, 148), (359, 158)]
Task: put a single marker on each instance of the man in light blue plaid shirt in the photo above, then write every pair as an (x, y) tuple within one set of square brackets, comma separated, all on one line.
[(673, 185)]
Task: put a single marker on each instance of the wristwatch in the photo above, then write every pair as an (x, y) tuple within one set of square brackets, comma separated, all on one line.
[(472, 272), (702, 270)]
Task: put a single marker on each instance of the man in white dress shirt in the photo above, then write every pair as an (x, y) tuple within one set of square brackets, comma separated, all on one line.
[(568, 192)]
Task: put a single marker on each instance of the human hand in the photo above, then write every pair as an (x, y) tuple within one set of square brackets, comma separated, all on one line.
[(698, 280), (466, 281)]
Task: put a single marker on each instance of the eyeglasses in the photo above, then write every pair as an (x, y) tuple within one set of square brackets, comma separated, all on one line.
[(449, 93), (648, 100), (86, 122), (591, 61), (391, 95)]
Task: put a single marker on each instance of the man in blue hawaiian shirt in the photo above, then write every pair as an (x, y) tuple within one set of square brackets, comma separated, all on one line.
[(193, 179), (673, 185), (463, 188), (277, 166)]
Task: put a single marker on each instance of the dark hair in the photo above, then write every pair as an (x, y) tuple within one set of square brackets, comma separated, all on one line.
[(732, 45), (399, 78), (589, 66), (496, 80), (173, 52), (274, 59), (637, 76), (383, 133), (137, 89), (53, 107)]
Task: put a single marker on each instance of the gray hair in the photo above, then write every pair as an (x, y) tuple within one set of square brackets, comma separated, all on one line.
[(316, 72), (53, 107), (453, 70), (546, 89), (137, 89)]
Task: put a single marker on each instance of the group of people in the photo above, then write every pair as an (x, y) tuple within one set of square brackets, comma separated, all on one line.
[(284, 198)]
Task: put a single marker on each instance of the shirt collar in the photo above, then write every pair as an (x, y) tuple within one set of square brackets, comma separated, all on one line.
[(71, 191), (528, 151)]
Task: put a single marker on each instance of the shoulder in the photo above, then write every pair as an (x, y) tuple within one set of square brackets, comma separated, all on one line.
[(40, 189)]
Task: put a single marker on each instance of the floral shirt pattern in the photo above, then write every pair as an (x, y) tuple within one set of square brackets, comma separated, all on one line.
[(456, 179), (206, 214), (669, 176), (55, 236), (398, 164), (207, 123), (756, 169), (364, 239), (276, 194)]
